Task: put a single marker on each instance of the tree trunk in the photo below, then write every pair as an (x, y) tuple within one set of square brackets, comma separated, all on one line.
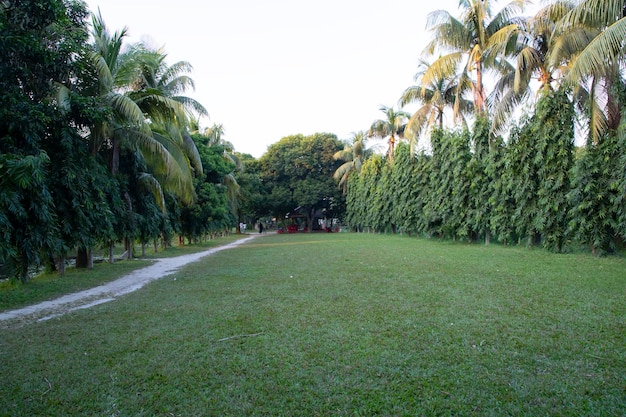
[(111, 257), (84, 258), (61, 265), (115, 156), (487, 237), (479, 93), (129, 248)]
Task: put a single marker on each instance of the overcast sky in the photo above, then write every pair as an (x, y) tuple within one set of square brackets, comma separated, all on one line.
[(273, 68)]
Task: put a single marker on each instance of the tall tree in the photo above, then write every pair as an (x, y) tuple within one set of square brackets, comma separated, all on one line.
[(594, 196), (297, 171), (363, 212), (214, 135), (390, 127), (478, 41), (540, 162), (353, 155), (115, 75), (439, 94), (47, 176), (591, 37), (252, 191), (447, 202), (531, 62)]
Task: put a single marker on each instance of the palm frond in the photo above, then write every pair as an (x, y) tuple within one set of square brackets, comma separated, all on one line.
[(105, 78), (175, 74), (501, 43), (592, 13), (503, 109), (192, 105), (604, 50), (154, 187), (507, 15), (442, 68), (190, 149), (127, 110), (343, 155), (448, 33), (529, 60), (565, 48), (419, 119)]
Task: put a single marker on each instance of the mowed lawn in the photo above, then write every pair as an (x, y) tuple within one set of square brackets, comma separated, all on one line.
[(338, 325)]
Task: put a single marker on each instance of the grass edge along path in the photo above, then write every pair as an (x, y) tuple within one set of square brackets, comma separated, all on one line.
[(341, 325), (109, 291)]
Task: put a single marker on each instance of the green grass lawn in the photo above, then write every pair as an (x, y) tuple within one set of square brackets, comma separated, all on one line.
[(338, 325)]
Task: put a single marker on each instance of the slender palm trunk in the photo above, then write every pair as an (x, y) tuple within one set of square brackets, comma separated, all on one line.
[(392, 145), (479, 90)]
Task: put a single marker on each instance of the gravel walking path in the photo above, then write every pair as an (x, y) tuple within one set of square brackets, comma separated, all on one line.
[(109, 291)]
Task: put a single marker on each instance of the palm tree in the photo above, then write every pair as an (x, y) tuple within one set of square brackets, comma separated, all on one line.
[(393, 124), (592, 36), (214, 135), (158, 87), (435, 97), (479, 40), (148, 118), (157, 91), (353, 156), (114, 78), (531, 62)]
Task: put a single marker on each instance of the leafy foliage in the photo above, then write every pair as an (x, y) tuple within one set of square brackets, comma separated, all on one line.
[(594, 194), (297, 172)]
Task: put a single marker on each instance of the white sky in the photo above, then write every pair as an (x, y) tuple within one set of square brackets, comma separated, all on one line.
[(273, 68)]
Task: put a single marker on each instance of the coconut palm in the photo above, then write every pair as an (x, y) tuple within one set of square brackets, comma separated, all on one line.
[(353, 156), (531, 63), (214, 135), (157, 91), (476, 42), (148, 118), (436, 96), (126, 119), (158, 87), (592, 36), (391, 126)]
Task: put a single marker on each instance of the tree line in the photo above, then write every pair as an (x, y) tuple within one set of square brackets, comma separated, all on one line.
[(99, 143), (563, 69)]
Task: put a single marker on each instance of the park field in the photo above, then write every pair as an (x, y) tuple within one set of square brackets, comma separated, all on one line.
[(338, 325)]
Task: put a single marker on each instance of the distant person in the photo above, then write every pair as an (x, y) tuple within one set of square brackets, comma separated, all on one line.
[(260, 227)]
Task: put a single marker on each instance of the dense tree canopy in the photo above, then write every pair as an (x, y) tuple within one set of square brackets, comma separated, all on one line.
[(94, 141), (297, 173)]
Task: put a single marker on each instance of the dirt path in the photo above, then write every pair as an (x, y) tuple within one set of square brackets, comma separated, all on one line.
[(109, 291)]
